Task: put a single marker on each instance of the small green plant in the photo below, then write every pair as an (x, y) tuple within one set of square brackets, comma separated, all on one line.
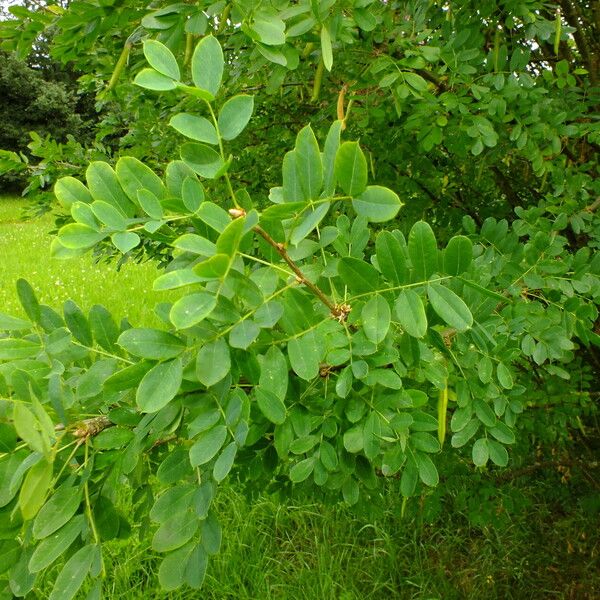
[(311, 349)]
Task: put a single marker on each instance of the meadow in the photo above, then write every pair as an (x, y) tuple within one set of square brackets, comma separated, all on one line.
[(484, 536)]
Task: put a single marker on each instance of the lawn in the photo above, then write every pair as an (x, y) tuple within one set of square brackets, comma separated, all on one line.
[(481, 537)]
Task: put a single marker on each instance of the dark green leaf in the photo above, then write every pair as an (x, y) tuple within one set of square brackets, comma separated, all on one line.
[(213, 362), (422, 250), (411, 313), (207, 445), (271, 406), (351, 169), (151, 343), (450, 307)]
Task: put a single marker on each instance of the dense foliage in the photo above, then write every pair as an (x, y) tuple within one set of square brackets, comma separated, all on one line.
[(325, 337)]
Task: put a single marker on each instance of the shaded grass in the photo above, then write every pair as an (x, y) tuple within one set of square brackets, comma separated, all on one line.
[(542, 545)]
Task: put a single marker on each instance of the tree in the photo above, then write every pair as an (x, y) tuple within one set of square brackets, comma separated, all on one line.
[(323, 340)]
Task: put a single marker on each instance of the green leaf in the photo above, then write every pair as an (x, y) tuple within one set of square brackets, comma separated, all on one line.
[(427, 471), (202, 159), (326, 50), (207, 65), (134, 176), (498, 453), (191, 309), (207, 445), (109, 215), (77, 323), (161, 58), (409, 478), (270, 405), (301, 470), (450, 307), (235, 115), (190, 242), (214, 216), (308, 164), (458, 255), (390, 258), (305, 353), (377, 203), (58, 511), (34, 489), (411, 313), (159, 386), (269, 29), (50, 548), (422, 250), (213, 268), (309, 220), (224, 463), (274, 373), (151, 343), (153, 80), (503, 433), (75, 235), (213, 362), (351, 169), (460, 438), (376, 318), (332, 143), (358, 275), (150, 204), (171, 573), (69, 190), (10, 323), (74, 572), (105, 186), (505, 377), (243, 334), (178, 529), (195, 128), (124, 241), (28, 300), (480, 452), (292, 190), (192, 194), (229, 240)]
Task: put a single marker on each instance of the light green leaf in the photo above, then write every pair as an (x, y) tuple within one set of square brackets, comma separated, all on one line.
[(224, 463), (213, 268), (377, 203), (411, 313), (390, 258), (207, 445), (450, 307), (292, 191), (229, 240), (192, 194), (351, 169), (213, 362), (422, 250), (270, 30), (159, 385), (10, 323), (505, 377), (74, 572), (376, 318), (49, 549), (235, 115), (202, 159), (326, 50), (133, 176), (178, 529), (503, 433), (309, 220), (161, 58), (195, 128), (213, 215), (109, 215), (308, 163), (69, 190), (153, 80), (207, 65), (270, 405), (190, 242), (409, 478), (76, 235), (104, 185), (151, 343), (125, 240), (191, 309), (150, 204), (480, 452), (171, 573), (301, 470), (34, 489), (358, 275), (458, 255), (59, 509), (243, 334)]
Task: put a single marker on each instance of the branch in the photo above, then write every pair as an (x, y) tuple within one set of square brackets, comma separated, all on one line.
[(338, 311)]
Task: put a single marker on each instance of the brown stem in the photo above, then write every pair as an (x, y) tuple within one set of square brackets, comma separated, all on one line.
[(91, 427), (593, 206), (339, 311)]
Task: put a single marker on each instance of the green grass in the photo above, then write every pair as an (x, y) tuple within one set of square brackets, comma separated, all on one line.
[(532, 538), (25, 252)]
